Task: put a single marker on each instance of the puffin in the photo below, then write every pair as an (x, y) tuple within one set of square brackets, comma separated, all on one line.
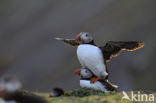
[(10, 92), (95, 57), (102, 84), (56, 92)]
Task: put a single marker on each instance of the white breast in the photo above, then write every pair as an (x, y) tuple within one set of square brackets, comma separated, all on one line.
[(97, 85), (91, 57)]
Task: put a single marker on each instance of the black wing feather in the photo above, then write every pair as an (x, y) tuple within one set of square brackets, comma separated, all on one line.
[(108, 85), (113, 48)]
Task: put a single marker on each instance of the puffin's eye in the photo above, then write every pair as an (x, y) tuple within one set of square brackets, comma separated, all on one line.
[(86, 35), (86, 71)]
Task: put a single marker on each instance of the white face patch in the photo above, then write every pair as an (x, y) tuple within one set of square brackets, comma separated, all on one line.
[(86, 38), (54, 94), (85, 73)]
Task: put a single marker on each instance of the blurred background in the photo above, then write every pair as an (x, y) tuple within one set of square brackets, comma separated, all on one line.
[(28, 49)]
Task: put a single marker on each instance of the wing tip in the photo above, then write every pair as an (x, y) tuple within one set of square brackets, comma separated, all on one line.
[(139, 46)]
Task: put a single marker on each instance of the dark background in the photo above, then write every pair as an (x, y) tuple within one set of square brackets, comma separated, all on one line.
[(28, 50)]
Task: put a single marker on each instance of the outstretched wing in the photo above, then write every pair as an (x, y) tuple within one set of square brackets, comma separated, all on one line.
[(113, 48), (71, 42)]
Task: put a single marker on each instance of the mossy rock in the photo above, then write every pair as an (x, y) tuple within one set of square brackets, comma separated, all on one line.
[(25, 92), (82, 92), (85, 95)]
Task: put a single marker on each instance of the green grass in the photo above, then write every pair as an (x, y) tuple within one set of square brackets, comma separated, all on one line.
[(85, 95)]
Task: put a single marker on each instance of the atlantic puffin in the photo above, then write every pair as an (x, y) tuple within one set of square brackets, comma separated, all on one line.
[(56, 92), (10, 92), (95, 57), (102, 84)]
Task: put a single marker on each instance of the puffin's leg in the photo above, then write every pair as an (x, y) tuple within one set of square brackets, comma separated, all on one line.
[(94, 79)]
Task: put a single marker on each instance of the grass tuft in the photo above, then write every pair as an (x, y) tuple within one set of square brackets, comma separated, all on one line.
[(82, 92)]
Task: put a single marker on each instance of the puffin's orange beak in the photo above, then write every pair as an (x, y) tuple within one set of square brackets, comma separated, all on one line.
[(77, 37), (77, 72)]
